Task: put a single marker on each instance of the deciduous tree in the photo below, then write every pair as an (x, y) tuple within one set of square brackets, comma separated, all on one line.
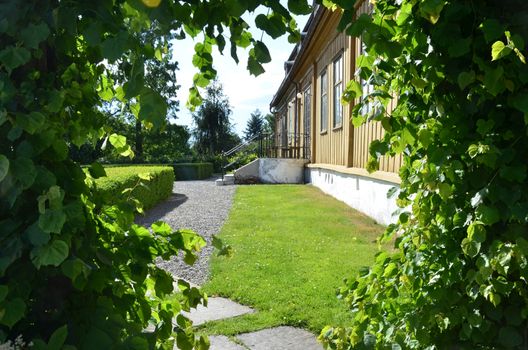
[(213, 131)]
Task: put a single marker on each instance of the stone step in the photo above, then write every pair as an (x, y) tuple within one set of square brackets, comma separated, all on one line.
[(217, 309), (229, 179)]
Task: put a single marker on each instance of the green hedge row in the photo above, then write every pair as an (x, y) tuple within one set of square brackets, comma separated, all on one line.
[(158, 186), (192, 171)]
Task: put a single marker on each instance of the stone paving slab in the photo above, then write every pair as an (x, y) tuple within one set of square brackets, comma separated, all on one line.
[(280, 338), (217, 309), (221, 342)]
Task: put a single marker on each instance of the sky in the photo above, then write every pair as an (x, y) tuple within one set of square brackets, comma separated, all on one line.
[(245, 92)]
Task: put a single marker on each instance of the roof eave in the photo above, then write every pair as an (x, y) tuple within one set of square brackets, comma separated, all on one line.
[(312, 23)]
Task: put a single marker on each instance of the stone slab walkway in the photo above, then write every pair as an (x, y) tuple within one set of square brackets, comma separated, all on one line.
[(221, 342), (217, 309), (278, 338)]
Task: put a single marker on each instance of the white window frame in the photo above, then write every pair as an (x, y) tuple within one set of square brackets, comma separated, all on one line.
[(323, 95), (337, 70)]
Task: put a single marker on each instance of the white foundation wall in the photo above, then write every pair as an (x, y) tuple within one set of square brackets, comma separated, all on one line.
[(364, 194)]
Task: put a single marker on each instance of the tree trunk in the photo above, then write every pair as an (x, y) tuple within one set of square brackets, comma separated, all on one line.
[(138, 157)]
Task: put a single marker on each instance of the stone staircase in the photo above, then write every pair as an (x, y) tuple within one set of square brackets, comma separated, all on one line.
[(229, 179)]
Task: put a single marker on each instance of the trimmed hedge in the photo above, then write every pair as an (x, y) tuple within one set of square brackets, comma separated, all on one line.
[(192, 171), (157, 188)]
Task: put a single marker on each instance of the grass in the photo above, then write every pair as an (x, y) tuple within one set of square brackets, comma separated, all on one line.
[(293, 245)]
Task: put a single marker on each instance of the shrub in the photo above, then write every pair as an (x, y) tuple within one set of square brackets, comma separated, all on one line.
[(192, 171), (150, 184)]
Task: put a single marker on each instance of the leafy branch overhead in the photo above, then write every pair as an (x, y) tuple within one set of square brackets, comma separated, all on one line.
[(75, 271)]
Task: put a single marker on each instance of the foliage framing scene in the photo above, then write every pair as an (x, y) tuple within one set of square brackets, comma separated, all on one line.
[(76, 272)]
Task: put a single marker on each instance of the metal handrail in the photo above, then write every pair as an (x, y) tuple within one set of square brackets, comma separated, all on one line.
[(260, 137)]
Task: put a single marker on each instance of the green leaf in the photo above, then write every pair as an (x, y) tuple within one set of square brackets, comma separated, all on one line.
[(36, 235), (92, 33), (3, 292), (487, 215), (118, 141), (163, 283), (34, 34), (445, 190), (97, 170), (4, 167), (494, 80), (53, 253), (194, 98), (72, 268), (514, 173), (244, 39), (161, 228), (200, 80), (254, 66), (31, 122), (299, 7), (431, 9), (272, 25), (465, 79), (499, 50), (485, 126), (476, 232), (353, 90), (470, 248), (520, 102), (137, 343), (58, 338), (425, 137), (492, 29), (52, 220), (510, 337), (14, 57), (405, 13), (261, 52), (114, 47), (223, 249), (460, 47), (136, 80), (14, 311), (96, 339), (24, 171), (153, 107)]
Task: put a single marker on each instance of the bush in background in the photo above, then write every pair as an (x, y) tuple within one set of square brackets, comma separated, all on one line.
[(149, 184), (193, 171)]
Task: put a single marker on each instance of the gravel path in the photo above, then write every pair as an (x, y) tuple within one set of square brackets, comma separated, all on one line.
[(198, 205)]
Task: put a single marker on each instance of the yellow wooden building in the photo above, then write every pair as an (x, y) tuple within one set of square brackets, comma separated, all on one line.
[(313, 124)]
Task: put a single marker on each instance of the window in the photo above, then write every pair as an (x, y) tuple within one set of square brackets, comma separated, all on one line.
[(338, 91), (307, 109), (307, 120), (291, 122), (366, 86), (291, 117), (324, 100)]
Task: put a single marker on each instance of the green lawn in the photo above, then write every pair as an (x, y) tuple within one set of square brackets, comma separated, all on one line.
[(293, 245)]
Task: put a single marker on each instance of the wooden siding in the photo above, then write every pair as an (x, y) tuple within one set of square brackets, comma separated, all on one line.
[(372, 130), (331, 145), (343, 146)]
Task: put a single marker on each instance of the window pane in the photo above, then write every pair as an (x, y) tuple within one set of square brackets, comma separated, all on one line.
[(338, 90), (324, 101)]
